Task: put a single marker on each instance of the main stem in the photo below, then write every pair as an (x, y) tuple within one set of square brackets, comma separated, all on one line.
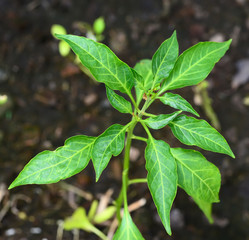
[(125, 180), (123, 192)]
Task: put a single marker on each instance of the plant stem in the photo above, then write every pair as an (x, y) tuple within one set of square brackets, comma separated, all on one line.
[(123, 193), (139, 138), (133, 101), (146, 129), (149, 114), (99, 233), (137, 180)]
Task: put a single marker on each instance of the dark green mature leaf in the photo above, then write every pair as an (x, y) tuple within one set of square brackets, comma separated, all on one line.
[(127, 229), (118, 102), (164, 59), (104, 65), (195, 64), (109, 143), (161, 120), (64, 162), (144, 82), (191, 131), (178, 102), (198, 177), (162, 178), (206, 208)]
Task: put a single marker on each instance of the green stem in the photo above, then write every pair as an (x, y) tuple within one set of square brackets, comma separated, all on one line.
[(123, 193), (137, 180), (139, 138), (149, 114), (99, 233), (146, 129), (141, 113), (133, 101)]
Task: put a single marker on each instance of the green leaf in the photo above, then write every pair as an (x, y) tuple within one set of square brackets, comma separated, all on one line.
[(118, 102), (198, 177), (99, 25), (178, 102), (161, 120), (103, 64), (144, 68), (195, 64), (64, 49), (143, 78), (78, 220), (53, 166), (191, 131), (57, 29), (127, 229), (105, 215), (162, 178), (109, 143), (164, 59), (92, 210), (206, 208)]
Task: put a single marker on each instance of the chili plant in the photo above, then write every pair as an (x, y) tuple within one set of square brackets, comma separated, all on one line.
[(168, 168)]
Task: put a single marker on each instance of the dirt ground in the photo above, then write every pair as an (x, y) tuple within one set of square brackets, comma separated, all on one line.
[(50, 100)]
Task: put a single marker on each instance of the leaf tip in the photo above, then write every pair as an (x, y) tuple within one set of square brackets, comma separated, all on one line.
[(229, 41), (232, 155), (12, 185)]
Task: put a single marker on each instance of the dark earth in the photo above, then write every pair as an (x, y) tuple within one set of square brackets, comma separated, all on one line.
[(50, 100)]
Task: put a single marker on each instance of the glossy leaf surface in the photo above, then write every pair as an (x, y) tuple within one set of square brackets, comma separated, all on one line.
[(198, 177), (164, 59), (191, 131), (118, 102), (161, 120), (109, 143), (162, 178), (195, 64), (127, 229), (53, 166), (103, 64), (177, 102)]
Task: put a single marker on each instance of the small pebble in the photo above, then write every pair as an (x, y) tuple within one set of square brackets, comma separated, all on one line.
[(10, 232), (35, 230)]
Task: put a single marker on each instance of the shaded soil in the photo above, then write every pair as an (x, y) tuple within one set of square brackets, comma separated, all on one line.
[(51, 100)]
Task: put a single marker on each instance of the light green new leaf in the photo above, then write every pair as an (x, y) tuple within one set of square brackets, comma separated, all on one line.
[(144, 82), (109, 143), (53, 166), (79, 220), (127, 229), (191, 131), (162, 178), (105, 215), (178, 102), (99, 25), (195, 64), (118, 102), (161, 120), (206, 208), (139, 88), (103, 64), (144, 68), (198, 177), (164, 59)]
